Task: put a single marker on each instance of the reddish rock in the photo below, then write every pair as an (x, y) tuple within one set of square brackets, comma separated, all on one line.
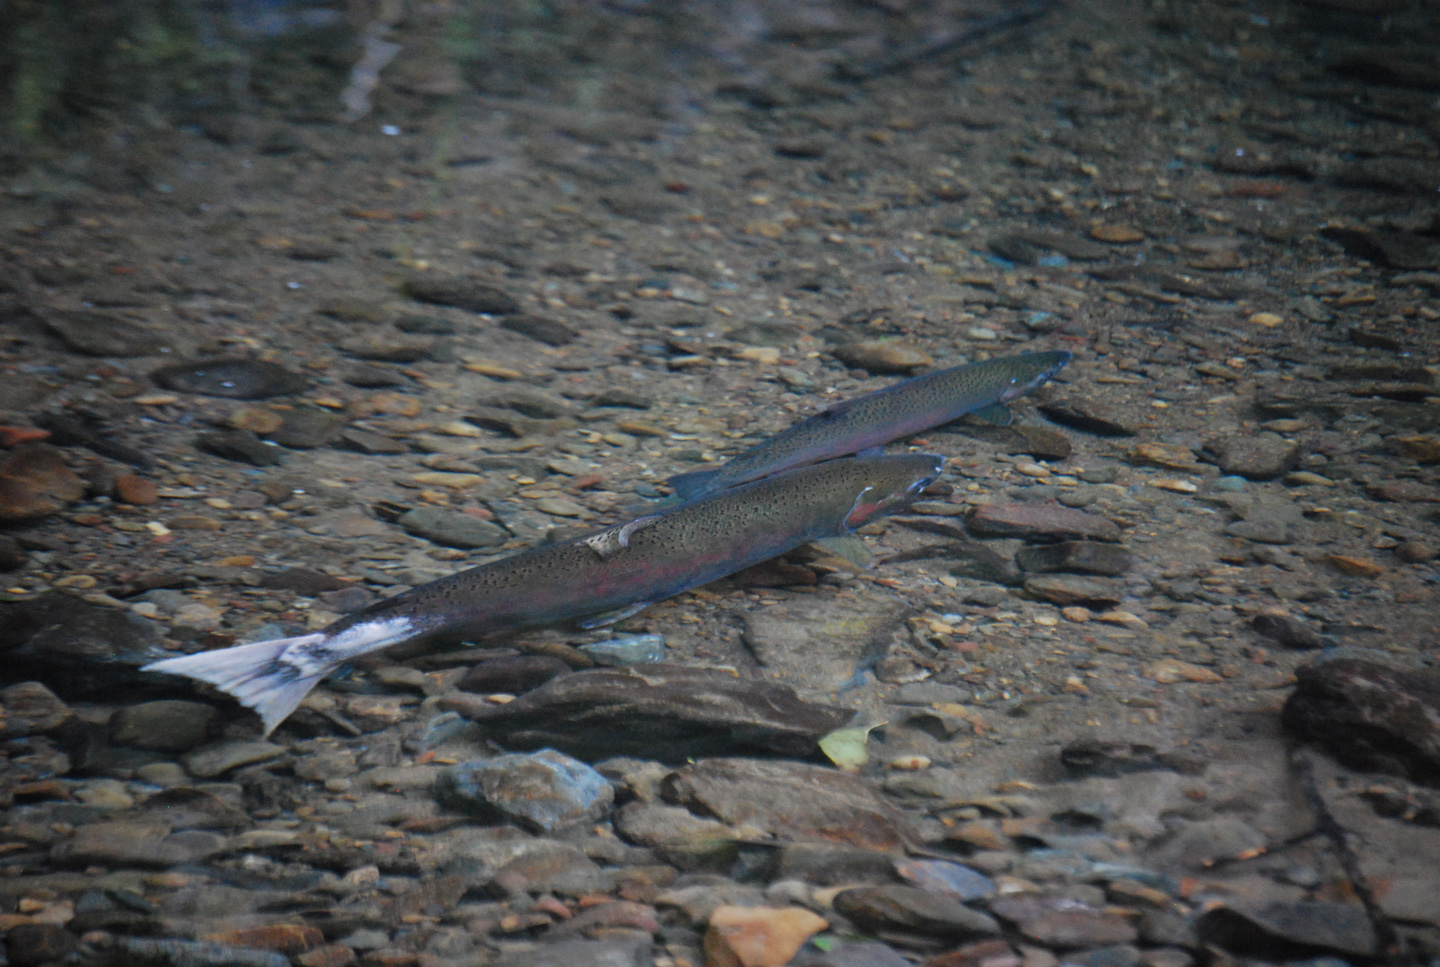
[(36, 482), (287, 938), (133, 489), (758, 936)]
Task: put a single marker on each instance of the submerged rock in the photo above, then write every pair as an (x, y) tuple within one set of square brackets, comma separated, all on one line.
[(1370, 716), (661, 712), (35, 482), (237, 379), (791, 801), (1285, 930), (75, 647), (541, 791), (462, 293)]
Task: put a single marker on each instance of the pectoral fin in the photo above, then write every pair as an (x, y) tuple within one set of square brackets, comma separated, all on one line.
[(997, 415), (850, 547), (610, 542), (610, 617)]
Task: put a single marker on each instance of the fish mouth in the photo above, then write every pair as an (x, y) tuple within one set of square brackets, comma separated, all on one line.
[(1017, 388), (922, 482)]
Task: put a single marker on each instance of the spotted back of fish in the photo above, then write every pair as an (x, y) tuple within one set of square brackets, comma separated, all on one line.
[(907, 407), (679, 549)]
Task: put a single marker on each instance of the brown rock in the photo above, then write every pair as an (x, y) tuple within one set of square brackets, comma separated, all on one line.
[(35, 482), (882, 356), (287, 938), (1116, 234), (1168, 671), (1165, 455), (136, 490), (1421, 449), (1355, 567), (1370, 716), (1048, 522), (758, 936), (34, 944)]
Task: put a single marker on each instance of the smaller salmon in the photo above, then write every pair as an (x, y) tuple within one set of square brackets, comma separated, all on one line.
[(906, 408), (613, 572)]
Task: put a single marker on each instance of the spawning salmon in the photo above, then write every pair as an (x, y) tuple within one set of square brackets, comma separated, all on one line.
[(615, 571), (906, 408)]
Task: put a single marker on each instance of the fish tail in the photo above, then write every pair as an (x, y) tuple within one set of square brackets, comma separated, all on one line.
[(694, 483), (271, 677)]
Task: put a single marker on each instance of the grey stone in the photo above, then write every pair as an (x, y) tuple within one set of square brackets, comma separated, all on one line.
[(551, 332), (1087, 415), (1115, 955), (210, 761), (171, 953), (1075, 557), (666, 712), (609, 952), (656, 824), (512, 674), (168, 725), (306, 429), (540, 791), (1199, 843), (145, 844), (1286, 930), (1260, 456), (1070, 589), (1063, 922), (906, 909), (818, 644), (852, 953), (1044, 522), (74, 646), (96, 332), (1261, 531), (451, 528), (527, 400), (946, 877), (242, 446), (1290, 632), (829, 864), (462, 293), (238, 379), (791, 801)]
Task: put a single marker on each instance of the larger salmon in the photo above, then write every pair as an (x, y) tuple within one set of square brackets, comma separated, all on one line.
[(905, 408), (624, 568)]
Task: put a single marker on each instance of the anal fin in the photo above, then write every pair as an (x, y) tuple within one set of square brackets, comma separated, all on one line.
[(616, 614), (850, 547), (997, 415)]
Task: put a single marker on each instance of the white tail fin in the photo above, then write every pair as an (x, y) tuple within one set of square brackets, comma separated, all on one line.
[(261, 675), (272, 677)]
